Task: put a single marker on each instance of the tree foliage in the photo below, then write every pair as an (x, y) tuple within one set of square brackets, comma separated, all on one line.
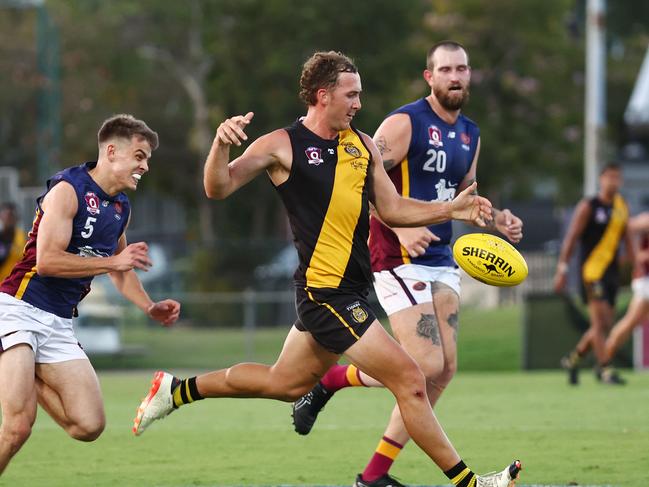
[(151, 58)]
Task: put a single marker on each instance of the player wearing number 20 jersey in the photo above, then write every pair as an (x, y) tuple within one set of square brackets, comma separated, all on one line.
[(439, 157), (100, 221)]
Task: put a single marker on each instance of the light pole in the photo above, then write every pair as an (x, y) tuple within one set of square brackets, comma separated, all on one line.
[(48, 145), (595, 99)]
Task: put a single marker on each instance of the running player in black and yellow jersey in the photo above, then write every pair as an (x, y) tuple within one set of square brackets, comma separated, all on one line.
[(327, 173), (599, 225)]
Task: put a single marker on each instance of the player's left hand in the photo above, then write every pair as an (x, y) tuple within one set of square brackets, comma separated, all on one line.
[(165, 312), (509, 225)]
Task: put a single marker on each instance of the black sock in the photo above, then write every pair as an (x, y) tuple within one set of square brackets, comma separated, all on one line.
[(185, 392), (461, 475)]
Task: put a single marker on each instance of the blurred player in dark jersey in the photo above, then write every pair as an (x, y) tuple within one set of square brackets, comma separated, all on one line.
[(78, 233), (599, 225)]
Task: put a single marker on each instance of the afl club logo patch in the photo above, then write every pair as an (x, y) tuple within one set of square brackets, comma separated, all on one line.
[(118, 210), (419, 286), (314, 156), (466, 140), (435, 136), (351, 149), (92, 203), (358, 313)]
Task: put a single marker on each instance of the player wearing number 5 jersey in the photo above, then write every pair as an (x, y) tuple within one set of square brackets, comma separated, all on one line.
[(78, 233), (430, 151)]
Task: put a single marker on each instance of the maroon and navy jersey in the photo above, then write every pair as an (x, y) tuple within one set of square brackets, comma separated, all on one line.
[(96, 228), (438, 159)]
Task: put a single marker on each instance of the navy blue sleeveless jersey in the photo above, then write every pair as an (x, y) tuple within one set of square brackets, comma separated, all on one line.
[(438, 159), (96, 228)]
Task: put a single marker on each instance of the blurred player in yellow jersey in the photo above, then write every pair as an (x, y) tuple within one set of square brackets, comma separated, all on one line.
[(12, 239), (599, 225)]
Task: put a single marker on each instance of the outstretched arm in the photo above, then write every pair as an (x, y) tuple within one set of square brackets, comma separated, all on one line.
[(221, 177), (395, 210), (392, 139)]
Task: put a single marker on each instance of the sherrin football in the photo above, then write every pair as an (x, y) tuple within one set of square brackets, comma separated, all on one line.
[(490, 259)]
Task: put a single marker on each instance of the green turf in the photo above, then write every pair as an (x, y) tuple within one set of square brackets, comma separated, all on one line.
[(489, 340), (592, 434)]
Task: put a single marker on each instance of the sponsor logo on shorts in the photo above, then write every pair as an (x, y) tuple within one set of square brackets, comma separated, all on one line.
[(358, 313), (419, 286)]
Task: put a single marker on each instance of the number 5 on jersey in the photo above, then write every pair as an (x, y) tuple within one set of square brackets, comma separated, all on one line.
[(88, 228)]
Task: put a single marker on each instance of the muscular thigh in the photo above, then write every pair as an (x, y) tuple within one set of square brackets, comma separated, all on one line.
[(17, 391), (303, 361), (417, 329), (76, 384), (428, 331)]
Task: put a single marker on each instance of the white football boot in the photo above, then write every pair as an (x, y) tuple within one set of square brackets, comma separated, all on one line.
[(506, 478), (157, 404)]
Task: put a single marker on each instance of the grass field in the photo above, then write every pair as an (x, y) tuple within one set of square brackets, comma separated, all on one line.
[(588, 435), (488, 340)]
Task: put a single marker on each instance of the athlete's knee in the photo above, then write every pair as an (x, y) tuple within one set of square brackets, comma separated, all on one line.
[(432, 366), (16, 430), (288, 387), (450, 368), (87, 430), (411, 383), (443, 379)]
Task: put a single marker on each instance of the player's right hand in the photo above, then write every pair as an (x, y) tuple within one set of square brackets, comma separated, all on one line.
[(468, 206), (231, 131), (134, 256), (415, 240)]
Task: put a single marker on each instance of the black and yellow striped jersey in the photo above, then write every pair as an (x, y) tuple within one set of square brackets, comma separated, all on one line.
[(326, 197), (601, 239)]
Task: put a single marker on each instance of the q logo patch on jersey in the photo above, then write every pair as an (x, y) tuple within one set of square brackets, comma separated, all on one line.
[(435, 136), (314, 156), (92, 203)]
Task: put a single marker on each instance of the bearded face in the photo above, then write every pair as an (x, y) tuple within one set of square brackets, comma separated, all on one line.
[(453, 96), (449, 77)]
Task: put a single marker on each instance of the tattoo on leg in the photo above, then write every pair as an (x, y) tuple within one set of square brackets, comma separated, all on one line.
[(427, 327), (454, 321)]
